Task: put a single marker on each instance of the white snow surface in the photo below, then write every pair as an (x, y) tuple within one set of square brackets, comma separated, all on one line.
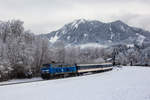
[(110, 29), (85, 35), (76, 23), (141, 38), (130, 45), (112, 35), (68, 37), (54, 39), (127, 83), (93, 45), (122, 27)]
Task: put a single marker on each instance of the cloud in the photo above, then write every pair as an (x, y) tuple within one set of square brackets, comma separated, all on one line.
[(43, 16), (135, 20)]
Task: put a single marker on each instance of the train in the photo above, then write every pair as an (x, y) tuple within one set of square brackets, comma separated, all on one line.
[(49, 71)]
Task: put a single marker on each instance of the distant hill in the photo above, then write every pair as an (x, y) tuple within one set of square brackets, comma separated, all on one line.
[(92, 31)]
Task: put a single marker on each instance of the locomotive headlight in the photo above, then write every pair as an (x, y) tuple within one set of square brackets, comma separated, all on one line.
[(45, 71)]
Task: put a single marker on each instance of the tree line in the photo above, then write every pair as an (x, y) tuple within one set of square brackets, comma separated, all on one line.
[(20, 50)]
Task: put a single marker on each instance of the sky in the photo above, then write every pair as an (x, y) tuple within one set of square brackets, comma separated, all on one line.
[(44, 16)]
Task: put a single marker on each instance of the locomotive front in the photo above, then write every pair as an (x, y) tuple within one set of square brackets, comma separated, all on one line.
[(57, 70), (45, 71)]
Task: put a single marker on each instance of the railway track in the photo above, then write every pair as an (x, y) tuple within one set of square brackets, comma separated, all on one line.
[(32, 81), (13, 83)]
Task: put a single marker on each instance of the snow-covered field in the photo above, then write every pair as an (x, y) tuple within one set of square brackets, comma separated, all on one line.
[(127, 83)]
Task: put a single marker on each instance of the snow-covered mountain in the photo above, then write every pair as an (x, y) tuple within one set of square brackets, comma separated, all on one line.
[(92, 31)]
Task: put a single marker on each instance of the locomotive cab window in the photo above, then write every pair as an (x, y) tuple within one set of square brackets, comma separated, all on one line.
[(46, 65)]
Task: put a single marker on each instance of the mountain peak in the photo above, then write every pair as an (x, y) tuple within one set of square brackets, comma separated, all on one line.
[(82, 20), (77, 22), (118, 22)]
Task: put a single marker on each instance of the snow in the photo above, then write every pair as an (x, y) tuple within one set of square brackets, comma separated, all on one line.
[(85, 35), (122, 28), (112, 35), (110, 41), (68, 37), (76, 23), (82, 20), (127, 83), (54, 39), (93, 45), (64, 31), (141, 38), (130, 45), (110, 29)]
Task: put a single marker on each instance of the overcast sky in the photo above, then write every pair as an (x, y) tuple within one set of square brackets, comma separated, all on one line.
[(43, 16)]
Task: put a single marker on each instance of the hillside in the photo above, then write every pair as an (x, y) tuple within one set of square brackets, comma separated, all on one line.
[(92, 31)]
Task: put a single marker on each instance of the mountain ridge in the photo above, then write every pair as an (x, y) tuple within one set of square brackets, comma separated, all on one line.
[(84, 31)]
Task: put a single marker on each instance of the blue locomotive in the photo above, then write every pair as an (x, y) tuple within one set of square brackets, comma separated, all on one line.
[(57, 70), (61, 70)]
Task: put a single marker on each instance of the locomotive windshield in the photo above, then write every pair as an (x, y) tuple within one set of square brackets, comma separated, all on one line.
[(46, 65)]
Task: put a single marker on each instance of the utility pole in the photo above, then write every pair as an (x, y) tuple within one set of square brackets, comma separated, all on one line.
[(114, 56)]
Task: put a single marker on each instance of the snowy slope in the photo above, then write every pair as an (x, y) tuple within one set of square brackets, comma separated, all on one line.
[(128, 83), (83, 31)]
